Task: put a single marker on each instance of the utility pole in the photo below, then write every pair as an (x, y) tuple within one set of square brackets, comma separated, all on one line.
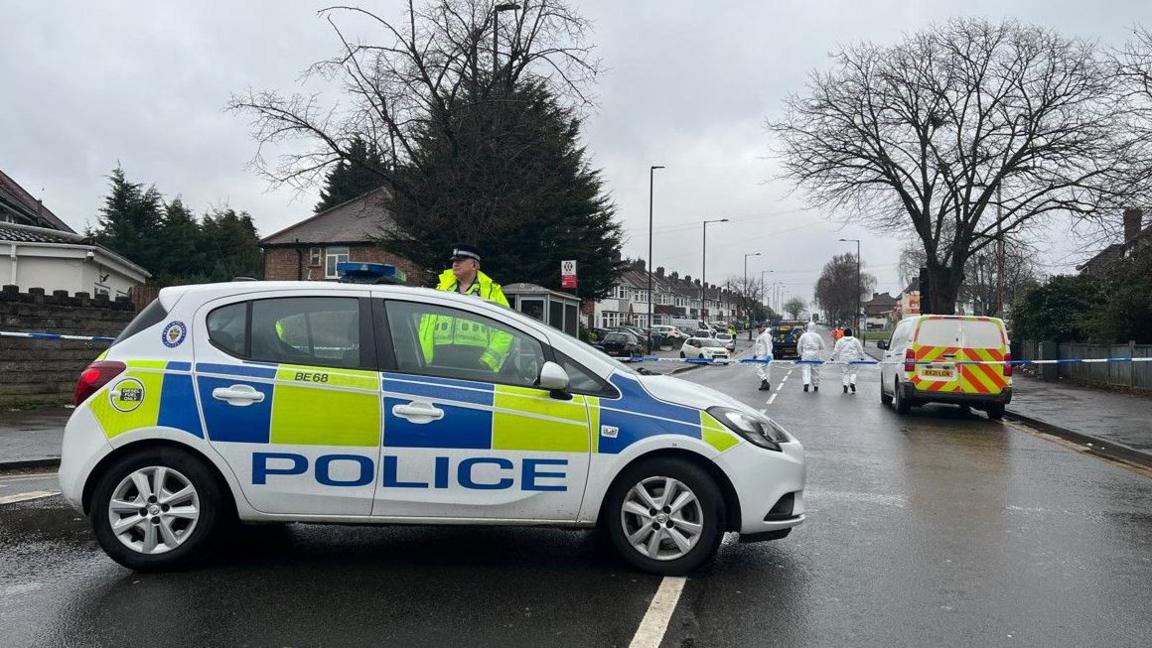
[(651, 171), (704, 264), (747, 320), (999, 254)]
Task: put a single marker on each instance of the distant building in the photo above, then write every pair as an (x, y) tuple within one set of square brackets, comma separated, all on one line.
[(310, 249), (44, 252), (1137, 238), (882, 311)]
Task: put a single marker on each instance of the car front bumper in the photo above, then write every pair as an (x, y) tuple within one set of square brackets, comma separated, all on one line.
[(762, 480)]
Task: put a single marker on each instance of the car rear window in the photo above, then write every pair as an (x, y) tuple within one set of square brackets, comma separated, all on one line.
[(152, 315), (980, 334), (615, 337)]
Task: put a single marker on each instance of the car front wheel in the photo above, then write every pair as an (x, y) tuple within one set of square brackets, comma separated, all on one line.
[(155, 509), (665, 516)]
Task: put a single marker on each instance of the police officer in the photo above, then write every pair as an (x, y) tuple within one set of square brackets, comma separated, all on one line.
[(487, 346), (464, 276)]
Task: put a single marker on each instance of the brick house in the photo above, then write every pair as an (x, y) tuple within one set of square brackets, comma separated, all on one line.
[(310, 249)]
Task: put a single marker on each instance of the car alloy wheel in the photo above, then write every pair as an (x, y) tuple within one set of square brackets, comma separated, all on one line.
[(153, 510), (662, 518)]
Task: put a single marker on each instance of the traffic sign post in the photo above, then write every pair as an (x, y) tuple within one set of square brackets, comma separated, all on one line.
[(568, 274)]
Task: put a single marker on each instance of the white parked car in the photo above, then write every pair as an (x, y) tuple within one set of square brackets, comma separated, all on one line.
[(375, 404), (670, 332), (704, 347), (728, 341)]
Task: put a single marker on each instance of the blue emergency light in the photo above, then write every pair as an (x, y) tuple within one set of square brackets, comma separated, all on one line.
[(369, 273)]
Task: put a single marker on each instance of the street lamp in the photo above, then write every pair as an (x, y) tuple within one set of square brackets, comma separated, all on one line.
[(859, 289), (747, 320), (704, 263), (506, 6), (651, 171)]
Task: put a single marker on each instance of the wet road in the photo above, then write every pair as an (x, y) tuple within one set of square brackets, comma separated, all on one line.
[(937, 529)]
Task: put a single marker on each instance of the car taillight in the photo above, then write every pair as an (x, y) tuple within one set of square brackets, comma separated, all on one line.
[(94, 377), (1007, 365), (909, 360)]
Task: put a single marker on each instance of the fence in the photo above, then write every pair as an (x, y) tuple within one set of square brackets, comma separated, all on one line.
[(1131, 375)]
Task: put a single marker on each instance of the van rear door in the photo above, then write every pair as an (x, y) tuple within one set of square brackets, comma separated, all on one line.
[(942, 341)]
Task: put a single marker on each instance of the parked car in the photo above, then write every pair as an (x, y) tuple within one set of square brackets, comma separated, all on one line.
[(919, 363), (785, 334), (621, 343), (640, 335), (671, 333), (704, 347), (728, 340)]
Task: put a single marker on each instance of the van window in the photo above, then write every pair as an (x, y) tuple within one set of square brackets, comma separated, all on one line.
[(939, 332), (980, 334)]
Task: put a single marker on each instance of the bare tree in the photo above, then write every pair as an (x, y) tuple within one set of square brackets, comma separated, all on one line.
[(838, 291), (794, 307), (443, 56), (960, 133)]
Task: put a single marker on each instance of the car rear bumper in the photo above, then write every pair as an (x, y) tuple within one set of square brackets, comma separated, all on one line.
[(927, 396)]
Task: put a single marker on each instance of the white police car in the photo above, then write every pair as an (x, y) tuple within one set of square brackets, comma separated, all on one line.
[(296, 401)]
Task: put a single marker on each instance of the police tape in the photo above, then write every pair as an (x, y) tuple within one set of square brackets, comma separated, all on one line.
[(1014, 363), (56, 336)]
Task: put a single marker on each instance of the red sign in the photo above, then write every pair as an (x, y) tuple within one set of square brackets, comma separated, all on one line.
[(568, 281)]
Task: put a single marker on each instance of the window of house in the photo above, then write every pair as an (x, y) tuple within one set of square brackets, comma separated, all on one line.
[(315, 257), (332, 256)]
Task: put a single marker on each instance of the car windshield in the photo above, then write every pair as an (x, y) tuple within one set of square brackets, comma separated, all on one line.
[(724, 337), (616, 338), (711, 342)]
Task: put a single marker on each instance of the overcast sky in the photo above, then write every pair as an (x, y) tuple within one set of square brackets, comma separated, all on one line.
[(687, 85)]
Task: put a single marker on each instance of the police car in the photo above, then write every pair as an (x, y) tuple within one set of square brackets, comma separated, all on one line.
[(297, 401)]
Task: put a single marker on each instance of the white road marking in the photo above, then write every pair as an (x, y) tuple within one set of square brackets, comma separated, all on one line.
[(771, 398), (780, 386), (785, 378), (22, 497), (655, 622)]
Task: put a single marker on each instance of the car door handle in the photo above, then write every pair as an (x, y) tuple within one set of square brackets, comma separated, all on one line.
[(238, 395), (418, 412)]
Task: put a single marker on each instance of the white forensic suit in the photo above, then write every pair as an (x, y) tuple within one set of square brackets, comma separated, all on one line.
[(848, 349), (762, 349), (809, 347)]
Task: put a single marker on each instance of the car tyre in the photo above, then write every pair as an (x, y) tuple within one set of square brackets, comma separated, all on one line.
[(995, 411), (180, 505), (681, 354), (900, 403), (701, 511)]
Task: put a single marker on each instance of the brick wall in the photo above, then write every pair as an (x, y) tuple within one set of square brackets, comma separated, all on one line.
[(44, 372), (281, 264)]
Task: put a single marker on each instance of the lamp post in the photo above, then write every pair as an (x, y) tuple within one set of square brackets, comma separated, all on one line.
[(651, 172), (506, 6), (704, 263), (856, 315), (747, 320)]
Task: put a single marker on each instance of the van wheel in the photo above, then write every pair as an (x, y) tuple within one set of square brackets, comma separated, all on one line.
[(155, 509), (995, 411), (665, 516), (900, 402)]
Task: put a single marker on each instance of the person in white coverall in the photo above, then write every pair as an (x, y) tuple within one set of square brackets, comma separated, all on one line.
[(809, 347), (848, 349), (762, 350)]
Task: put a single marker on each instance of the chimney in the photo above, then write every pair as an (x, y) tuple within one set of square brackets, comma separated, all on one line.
[(660, 271), (675, 275), (639, 265), (697, 282), (1132, 222)]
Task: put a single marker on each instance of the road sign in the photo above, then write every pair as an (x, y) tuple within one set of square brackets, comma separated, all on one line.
[(568, 273)]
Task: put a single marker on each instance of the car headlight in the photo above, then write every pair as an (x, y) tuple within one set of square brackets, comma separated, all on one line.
[(761, 431)]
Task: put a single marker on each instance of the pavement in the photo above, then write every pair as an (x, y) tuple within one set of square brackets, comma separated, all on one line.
[(32, 438), (1115, 425), (939, 528)]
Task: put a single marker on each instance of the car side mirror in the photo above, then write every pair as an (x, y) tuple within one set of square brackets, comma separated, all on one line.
[(552, 377), (882, 344)]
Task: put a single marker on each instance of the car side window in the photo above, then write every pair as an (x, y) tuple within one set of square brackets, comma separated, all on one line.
[(323, 331), (228, 329), (581, 380), (439, 341)]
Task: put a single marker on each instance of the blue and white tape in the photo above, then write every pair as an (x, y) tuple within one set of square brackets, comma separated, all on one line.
[(55, 336), (1014, 363)]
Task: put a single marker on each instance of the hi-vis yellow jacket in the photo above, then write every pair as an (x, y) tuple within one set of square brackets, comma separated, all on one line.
[(443, 330)]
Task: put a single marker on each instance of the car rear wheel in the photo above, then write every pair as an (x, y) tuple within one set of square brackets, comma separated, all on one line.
[(885, 399), (681, 354), (899, 401), (665, 516), (155, 509), (995, 411)]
